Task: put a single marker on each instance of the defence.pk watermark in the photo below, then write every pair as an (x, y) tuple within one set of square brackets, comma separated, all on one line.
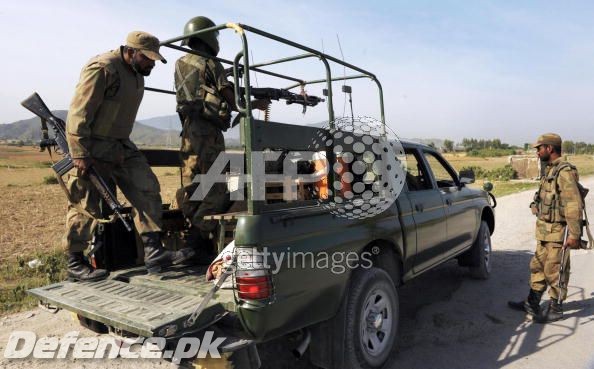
[(26, 344)]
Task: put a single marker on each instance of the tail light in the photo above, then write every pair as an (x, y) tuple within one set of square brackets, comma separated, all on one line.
[(252, 276)]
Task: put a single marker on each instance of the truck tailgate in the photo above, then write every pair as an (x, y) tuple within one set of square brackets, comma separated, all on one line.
[(139, 303)]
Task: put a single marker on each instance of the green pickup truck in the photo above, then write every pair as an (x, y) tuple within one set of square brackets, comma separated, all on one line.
[(346, 305)]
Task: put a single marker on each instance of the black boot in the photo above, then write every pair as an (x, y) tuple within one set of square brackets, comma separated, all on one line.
[(531, 305), (156, 257), (80, 270), (553, 313), (202, 246)]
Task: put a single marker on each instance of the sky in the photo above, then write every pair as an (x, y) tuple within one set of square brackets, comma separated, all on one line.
[(449, 69)]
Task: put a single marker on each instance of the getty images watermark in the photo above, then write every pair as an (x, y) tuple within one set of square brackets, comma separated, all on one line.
[(367, 175), (25, 344), (274, 260)]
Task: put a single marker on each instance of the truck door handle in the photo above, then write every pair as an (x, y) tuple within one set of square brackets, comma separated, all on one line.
[(448, 202), (419, 207)]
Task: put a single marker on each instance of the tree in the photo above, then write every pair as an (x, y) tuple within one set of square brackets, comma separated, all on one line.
[(568, 147), (448, 145)]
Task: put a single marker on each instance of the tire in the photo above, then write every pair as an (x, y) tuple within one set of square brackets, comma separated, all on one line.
[(371, 319), (481, 254)]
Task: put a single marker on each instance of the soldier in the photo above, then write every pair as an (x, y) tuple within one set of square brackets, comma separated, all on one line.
[(98, 129), (205, 100), (557, 205)]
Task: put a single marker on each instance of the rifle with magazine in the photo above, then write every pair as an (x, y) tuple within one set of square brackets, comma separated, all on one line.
[(35, 104)]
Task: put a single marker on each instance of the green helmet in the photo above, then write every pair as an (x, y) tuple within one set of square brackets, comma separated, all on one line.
[(209, 38)]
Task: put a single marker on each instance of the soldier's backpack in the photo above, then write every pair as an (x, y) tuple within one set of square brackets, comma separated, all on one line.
[(583, 192)]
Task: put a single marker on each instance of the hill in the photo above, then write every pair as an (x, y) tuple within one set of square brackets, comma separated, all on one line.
[(29, 131)]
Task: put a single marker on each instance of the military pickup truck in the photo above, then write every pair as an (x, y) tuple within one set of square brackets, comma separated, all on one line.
[(348, 311)]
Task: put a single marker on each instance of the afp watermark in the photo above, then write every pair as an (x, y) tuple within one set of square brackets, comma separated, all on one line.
[(26, 344), (355, 168)]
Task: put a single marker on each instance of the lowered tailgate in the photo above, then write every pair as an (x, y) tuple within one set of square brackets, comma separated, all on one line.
[(139, 303)]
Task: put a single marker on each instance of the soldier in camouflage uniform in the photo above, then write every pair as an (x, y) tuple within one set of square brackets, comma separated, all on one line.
[(98, 127), (557, 205), (204, 102)]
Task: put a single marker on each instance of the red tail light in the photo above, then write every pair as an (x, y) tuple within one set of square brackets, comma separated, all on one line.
[(253, 287)]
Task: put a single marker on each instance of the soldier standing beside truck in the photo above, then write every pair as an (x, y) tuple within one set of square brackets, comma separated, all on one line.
[(205, 100), (558, 206), (100, 120)]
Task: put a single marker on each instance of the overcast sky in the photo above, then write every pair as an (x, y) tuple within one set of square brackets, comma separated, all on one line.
[(449, 69)]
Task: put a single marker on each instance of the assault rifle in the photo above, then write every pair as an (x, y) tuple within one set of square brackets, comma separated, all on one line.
[(35, 104)]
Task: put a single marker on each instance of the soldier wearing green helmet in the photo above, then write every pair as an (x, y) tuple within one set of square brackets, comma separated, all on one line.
[(204, 102), (558, 206)]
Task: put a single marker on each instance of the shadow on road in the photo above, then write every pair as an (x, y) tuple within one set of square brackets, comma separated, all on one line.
[(474, 327)]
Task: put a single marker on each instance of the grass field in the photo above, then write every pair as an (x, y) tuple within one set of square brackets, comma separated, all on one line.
[(33, 215)]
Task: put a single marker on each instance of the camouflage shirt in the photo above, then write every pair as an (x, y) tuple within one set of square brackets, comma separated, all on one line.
[(560, 203), (193, 72), (105, 103)]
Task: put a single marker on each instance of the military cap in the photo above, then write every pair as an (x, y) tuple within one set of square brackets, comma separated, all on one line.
[(548, 139), (146, 43)]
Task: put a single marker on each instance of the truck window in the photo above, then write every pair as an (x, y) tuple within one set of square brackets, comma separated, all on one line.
[(441, 171), (416, 177)]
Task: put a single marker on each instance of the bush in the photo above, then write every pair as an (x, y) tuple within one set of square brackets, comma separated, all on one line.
[(50, 180)]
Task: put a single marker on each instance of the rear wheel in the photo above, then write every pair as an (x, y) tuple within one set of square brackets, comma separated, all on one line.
[(372, 319)]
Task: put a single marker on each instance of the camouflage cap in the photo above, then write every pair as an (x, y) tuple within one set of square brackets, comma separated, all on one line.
[(146, 43), (548, 139)]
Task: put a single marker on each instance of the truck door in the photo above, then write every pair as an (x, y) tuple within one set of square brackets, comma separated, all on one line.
[(428, 212), (461, 214)]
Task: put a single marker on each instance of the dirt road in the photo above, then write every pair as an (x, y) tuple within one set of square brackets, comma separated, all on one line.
[(447, 320)]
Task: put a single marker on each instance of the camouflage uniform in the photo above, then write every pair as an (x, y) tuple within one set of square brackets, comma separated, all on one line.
[(204, 114), (557, 204), (99, 123)]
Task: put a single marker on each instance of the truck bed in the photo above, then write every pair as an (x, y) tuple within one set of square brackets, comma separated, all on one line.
[(136, 302)]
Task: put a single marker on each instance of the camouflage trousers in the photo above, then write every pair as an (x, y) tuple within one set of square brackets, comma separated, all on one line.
[(137, 182), (201, 144), (544, 269)]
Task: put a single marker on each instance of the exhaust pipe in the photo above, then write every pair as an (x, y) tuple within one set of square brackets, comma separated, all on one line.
[(300, 350)]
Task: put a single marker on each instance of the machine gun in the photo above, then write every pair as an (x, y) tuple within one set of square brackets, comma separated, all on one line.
[(35, 104), (282, 94)]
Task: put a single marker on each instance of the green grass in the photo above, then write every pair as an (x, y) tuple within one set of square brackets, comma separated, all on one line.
[(509, 187), (50, 180), (16, 277)]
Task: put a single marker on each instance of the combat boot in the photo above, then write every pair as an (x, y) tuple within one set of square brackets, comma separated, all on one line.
[(201, 245), (80, 270), (531, 305), (553, 313), (156, 257)]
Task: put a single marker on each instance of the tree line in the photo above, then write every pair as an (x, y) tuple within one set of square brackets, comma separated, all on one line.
[(495, 147)]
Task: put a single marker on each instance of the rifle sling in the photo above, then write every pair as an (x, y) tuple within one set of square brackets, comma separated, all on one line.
[(77, 206)]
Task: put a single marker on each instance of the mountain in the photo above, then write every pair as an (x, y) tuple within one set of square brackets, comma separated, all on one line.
[(172, 122), (147, 132), (29, 131), (165, 122)]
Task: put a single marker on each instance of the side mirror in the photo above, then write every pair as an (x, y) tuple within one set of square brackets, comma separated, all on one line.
[(488, 186), (466, 176)]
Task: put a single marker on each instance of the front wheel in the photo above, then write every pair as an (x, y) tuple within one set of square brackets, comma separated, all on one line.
[(372, 319), (481, 252)]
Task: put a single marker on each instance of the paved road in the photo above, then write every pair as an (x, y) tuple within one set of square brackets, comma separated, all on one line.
[(447, 321), (463, 323)]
